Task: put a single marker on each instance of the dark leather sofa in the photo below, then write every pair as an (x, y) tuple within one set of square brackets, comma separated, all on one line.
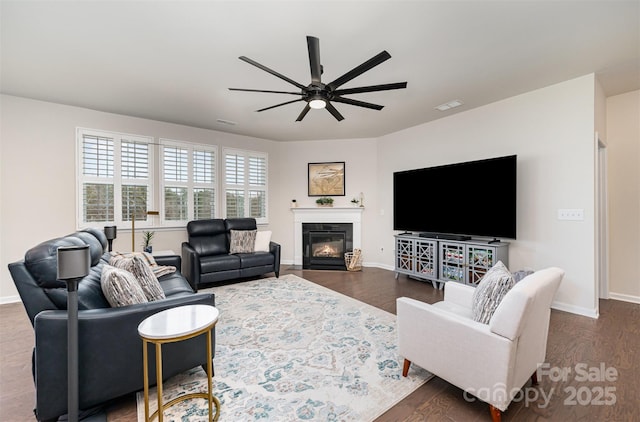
[(206, 258), (110, 349)]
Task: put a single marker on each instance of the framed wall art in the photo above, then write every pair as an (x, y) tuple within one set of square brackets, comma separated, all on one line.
[(326, 179)]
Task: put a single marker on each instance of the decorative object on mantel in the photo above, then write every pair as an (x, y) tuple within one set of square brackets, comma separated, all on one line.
[(294, 204), (361, 199), (326, 179), (147, 238), (353, 260), (355, 202), (324, 202)]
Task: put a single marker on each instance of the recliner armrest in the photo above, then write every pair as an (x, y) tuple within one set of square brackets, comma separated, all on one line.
[(172, 260), (274, 248), (191, 265)]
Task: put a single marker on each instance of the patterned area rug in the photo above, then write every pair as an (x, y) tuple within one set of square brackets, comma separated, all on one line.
[(291, 350)]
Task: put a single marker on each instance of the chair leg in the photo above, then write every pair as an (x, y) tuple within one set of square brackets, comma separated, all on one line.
[(496, 414), (405, 367), (534, 378)]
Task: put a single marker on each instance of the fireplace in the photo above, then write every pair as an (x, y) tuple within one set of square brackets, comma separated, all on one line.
[(334, 215), (324, 245)]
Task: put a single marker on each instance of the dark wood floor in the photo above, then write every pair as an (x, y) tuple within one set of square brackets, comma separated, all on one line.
[(613, 340)]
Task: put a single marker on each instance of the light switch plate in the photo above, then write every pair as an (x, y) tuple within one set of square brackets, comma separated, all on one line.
[(574, 214)]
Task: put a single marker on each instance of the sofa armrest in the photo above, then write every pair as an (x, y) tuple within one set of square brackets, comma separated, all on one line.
[(110, 353), (191, 265), (172, 260), (458, 293), (274, 248), (433, 338)]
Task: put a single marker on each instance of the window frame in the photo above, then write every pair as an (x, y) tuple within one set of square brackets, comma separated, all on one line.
[(245, 186), (116, 180), (190, 184), (155, 182)]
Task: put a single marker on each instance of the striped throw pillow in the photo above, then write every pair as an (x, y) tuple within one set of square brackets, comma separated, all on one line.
[(142, 272), (242, 241), (120, 287), (493, 286)]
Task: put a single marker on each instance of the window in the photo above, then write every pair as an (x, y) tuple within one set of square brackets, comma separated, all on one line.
[(188, 181), (121, 177), (115, 178), (245, 184)]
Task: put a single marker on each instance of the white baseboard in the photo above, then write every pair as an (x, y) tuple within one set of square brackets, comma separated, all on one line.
[(578, 310), (9, 299), (624, 297)]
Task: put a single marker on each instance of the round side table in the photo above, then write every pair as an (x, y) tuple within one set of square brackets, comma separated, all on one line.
[(172, 325)]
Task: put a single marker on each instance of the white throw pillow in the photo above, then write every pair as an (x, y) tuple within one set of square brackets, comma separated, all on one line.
[(263, 238), (492, 288)]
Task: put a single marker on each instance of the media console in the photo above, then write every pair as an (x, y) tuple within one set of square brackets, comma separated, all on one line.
[(442, 260)]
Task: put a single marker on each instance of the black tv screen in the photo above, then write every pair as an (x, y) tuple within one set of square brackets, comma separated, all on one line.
[(474, 198)]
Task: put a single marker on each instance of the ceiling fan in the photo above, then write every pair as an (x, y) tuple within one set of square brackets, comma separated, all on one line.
[(319, 95)]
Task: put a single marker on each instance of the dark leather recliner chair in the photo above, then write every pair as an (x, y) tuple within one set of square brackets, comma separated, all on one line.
[(110, 349), (206, 258)]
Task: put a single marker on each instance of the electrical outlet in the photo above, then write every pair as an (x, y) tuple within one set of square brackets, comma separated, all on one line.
[(574, 214)]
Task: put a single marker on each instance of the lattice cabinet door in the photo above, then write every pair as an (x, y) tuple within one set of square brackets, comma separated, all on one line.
[(426, 258), (480, 259), (405, 258), (452, 261)]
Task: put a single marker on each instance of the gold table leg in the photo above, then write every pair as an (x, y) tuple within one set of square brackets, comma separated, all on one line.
[(161, 407)]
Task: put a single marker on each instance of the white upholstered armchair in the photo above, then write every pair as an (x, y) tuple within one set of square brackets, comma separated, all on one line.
[(489, 361)]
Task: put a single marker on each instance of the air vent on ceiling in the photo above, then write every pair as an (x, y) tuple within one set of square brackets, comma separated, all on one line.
[(449, 105)]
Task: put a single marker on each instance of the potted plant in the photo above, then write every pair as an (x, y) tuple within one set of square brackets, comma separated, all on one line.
[(147, 237), (324, 202), (294, 204), (355, 202)]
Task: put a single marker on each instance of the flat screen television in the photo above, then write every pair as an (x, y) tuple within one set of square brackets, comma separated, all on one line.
[(473, 198)]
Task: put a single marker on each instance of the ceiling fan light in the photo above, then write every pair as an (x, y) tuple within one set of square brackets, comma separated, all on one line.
[(317, 104)]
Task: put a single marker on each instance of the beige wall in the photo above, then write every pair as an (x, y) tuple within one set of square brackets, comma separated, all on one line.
[(37, 195), (551, 131), (289, 181), (623, 153)]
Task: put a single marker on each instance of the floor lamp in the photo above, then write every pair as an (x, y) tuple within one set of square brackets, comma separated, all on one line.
[(73, 264)]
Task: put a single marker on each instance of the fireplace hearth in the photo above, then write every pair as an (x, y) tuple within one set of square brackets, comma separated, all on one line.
[(324, 245)]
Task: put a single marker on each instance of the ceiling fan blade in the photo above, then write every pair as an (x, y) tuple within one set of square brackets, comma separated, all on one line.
[(278, 105), (359, 70), (357, 103), (331, 109), (273, 72), (372, 88), (303, 113), (264, 90), (313, 44)]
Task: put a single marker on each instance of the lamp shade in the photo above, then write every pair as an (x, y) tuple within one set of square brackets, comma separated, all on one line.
[(111, 232), (73, 262)]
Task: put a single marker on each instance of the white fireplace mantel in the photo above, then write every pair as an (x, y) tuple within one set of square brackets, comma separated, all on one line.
[(351, 215)]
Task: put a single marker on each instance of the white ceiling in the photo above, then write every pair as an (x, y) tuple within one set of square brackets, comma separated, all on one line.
[(175, 60)]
